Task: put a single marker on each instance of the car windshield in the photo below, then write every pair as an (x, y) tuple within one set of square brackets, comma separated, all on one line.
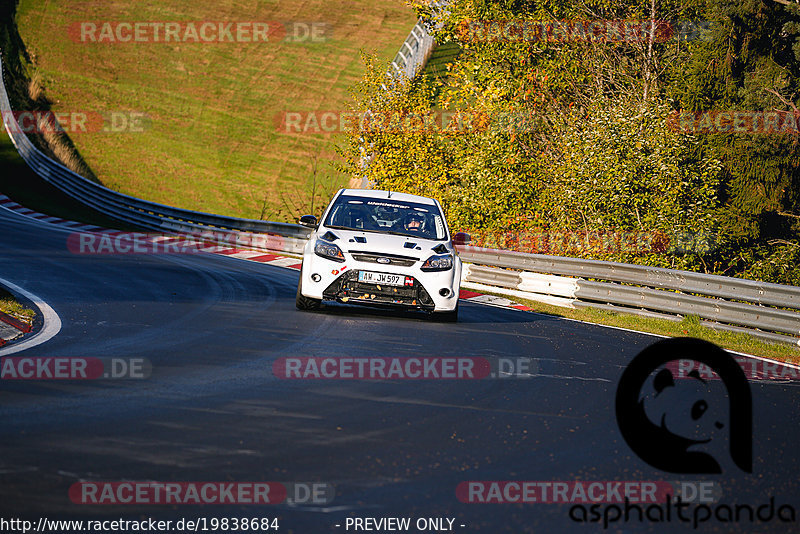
[(387, 215)]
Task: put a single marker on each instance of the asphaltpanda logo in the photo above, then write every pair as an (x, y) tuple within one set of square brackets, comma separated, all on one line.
[(687, 423), (667, 421)]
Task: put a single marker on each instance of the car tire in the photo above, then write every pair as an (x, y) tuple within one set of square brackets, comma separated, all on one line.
[(305, 303)]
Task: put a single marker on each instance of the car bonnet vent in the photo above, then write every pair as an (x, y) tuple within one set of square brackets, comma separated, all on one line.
[(409, 244), (360, 239), (440, 249), (329, 236)]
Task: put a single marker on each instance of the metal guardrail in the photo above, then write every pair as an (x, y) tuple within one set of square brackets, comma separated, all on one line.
[(688, 282), (637, 288), (129, 209), (727, 303)]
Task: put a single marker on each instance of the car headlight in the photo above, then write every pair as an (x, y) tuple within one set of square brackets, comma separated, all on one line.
[(328, 251), (438, 263)]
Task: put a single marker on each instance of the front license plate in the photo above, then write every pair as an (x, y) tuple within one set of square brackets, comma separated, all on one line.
[(369, 277)]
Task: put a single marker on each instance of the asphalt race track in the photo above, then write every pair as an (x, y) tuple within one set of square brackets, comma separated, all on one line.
[(212, 410)]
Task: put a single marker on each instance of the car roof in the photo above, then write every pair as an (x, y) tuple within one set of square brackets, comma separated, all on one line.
[(375, 193)]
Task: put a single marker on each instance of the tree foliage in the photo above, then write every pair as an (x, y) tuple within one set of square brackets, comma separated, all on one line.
[(574, 135)]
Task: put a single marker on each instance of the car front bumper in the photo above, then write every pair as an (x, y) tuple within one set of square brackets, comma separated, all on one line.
[(338, 281)]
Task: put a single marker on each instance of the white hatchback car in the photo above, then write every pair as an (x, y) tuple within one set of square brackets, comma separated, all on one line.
[(381, 248)]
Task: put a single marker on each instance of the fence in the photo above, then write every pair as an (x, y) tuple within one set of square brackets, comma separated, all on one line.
[(414, 52), (416, 49)]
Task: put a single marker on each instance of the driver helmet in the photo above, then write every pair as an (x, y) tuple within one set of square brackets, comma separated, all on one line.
[(414, 221)]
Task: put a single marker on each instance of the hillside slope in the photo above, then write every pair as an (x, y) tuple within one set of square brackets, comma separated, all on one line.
[(204, 134)]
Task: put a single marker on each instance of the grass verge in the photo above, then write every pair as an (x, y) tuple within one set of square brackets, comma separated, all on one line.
[(10, 305), (689, 326)]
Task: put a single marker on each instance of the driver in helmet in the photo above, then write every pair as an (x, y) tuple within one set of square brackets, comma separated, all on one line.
[(413, 223)]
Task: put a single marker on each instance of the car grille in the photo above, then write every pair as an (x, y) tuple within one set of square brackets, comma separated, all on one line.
[(389, 259), (348, 289)]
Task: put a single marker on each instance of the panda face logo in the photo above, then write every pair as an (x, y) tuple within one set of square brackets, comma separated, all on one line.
[(679, 425), (689, 408)]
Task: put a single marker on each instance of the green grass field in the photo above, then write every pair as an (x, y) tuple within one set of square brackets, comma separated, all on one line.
[(210, 142)]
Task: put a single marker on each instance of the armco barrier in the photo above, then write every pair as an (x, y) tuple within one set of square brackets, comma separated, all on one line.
[(713, 285), (757, 306), (727, 303), (132, 210)]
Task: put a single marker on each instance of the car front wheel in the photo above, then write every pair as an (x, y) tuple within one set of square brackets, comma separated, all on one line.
[(303, 302)]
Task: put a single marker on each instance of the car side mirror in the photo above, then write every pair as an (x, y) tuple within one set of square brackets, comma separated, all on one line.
[(461, 238), (309, 221)]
